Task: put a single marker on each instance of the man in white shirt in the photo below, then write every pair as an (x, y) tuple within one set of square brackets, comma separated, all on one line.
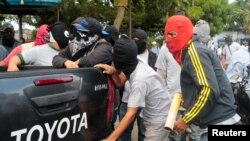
[(228, 50), (147, 89), (43, 55)]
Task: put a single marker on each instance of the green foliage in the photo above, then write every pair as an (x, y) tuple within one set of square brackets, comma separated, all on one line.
[(150, 15), (195, 12), (215, 12), (241, 15)]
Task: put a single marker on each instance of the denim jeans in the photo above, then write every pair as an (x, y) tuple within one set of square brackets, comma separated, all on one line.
[(126, 135), (192, 136), (204, 137)]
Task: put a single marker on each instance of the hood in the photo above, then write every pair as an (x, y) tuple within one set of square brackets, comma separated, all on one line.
[(42, 36)]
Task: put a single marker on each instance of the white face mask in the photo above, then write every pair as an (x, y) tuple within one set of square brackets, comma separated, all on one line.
[(84, 43)]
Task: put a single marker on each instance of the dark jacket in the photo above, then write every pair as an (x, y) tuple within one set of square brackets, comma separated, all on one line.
[(100, 52), (9, 49), (207, 94), (152, 59)]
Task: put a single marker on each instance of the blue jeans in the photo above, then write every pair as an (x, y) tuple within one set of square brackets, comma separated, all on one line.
[(192, 136), (126, 135), (114, 117), (204, 137)]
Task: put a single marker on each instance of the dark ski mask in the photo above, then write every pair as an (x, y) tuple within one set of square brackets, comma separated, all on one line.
[(8, 39), (125, 56), (140, 38), (141, 46)]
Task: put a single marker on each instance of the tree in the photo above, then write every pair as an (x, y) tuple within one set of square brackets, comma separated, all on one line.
[(241, 14), (215, 12), (121, 4)]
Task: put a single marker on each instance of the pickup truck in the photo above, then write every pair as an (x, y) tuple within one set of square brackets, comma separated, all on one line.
[(48, 104)]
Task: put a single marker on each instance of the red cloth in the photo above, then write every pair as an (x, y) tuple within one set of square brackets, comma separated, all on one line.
[(184, 29), (111, 99), (42, 35)]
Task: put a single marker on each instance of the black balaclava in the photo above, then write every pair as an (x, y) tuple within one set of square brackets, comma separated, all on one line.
[(60, 34), (140, 38), (125, 55), (8, 39), (113, 34)]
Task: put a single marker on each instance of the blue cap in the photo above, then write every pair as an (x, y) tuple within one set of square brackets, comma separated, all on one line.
[(89, 25)]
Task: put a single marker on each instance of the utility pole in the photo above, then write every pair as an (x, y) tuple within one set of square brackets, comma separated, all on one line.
[(130, 18), (58, 12), (20, 26)]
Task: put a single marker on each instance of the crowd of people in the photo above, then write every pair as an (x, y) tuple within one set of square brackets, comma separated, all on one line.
[(146, 79)]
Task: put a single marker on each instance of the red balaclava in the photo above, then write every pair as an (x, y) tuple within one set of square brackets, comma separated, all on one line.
[(42, 36), (184, 29)]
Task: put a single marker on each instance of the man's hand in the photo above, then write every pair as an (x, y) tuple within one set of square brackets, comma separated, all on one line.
[(180, 125), (71, 64), (107, 69), (12, 67), (13, 63)]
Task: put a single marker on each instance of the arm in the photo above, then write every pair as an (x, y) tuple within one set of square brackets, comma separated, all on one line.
[(124, 123), (101, 54), (163, 75), (119, 79), (14, 52), (223, 61), (202, 72), (60, 59), (13, 63), (223, 58)]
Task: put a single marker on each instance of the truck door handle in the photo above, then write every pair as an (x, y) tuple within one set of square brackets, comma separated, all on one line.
[(48, 100)]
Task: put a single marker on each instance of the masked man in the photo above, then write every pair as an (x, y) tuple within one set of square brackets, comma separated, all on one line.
[(8, 40), (86, 47), (206, 91)]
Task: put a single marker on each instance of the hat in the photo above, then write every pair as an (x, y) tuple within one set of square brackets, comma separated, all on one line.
[(89, 25), (125, 55), (77, 20), (112, 32), (60, 34), (154, 43), (202, 29), (6, 26)]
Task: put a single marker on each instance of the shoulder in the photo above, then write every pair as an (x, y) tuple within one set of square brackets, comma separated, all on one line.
[(3, 50), (103, 45), (200, 49), (103, 42)]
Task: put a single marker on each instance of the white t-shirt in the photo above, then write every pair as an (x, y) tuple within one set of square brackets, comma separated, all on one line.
[(166, 62), (149, 93), (38, 56), (144, 57)]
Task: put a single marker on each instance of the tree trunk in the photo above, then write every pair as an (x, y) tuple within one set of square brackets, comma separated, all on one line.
[(121, 4), (119, 17)]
